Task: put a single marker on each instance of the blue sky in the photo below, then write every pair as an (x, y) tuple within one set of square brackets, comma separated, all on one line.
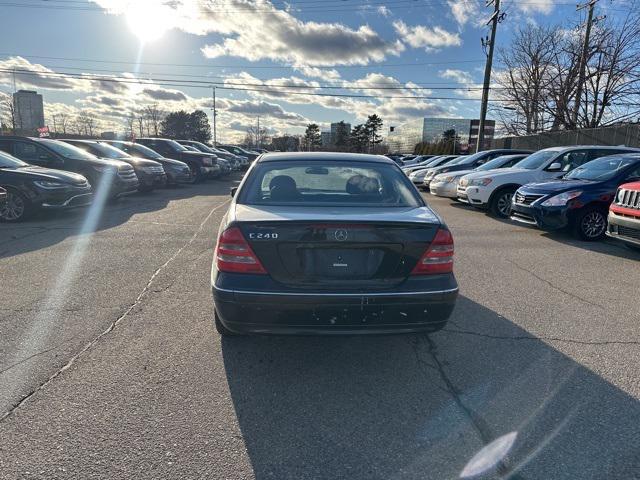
[(430, 48)]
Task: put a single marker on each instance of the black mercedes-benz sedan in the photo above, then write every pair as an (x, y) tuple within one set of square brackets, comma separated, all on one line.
[(331, 243)]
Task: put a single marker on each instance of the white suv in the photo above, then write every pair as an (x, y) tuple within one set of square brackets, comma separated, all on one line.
[(493, 189)]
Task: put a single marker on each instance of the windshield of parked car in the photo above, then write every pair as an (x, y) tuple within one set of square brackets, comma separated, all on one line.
[(68, 151), (329, 183), (497, 162), (139, 149), (600, 169), (538, 159), (108, 151), (8, 161), (175, 146)]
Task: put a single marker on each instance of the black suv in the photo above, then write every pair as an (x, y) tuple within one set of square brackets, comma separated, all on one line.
[(27, 188), (150, 173), (239, 151), (176, 171), (118, 177), (202, 165)]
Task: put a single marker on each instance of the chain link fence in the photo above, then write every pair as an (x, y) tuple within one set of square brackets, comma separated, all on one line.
[(628, 135)]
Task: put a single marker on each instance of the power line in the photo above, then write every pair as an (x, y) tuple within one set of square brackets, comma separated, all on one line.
[(244, 67), (225, 86), (356, 85)]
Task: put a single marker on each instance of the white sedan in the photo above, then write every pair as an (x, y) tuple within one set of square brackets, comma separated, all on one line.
[(446, 184)]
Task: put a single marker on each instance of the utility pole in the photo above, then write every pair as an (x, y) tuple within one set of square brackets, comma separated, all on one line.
[(258, 133), (215, 114), (496, 18), (583, 59)]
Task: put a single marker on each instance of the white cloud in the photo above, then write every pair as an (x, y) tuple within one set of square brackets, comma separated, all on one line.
[(540, 6), (256, 30), (466, 12), (425, 37), (384, 11), (323, 73), (472, 89)]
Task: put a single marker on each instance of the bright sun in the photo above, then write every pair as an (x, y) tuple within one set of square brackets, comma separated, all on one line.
[(147, 21)]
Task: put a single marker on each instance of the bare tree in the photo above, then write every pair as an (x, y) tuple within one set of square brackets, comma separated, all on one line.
[(8, 112), (255, 137), (61, 122), (525, 82), (153, 116), (86, 123), (140, 120), (131, 122), (540, 80), (613, 74)]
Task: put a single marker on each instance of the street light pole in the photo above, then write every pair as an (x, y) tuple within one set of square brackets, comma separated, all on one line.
[(215, 114)]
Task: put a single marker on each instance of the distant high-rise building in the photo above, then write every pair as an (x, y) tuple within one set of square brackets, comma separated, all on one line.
[(334, 129), (29, 111), (325, 138), (404, 138)]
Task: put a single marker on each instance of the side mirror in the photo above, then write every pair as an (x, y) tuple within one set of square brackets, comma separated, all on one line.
[(233, 191), (555, 167)]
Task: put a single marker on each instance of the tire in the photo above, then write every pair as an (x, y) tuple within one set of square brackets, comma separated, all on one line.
[(199, 176), (16, 209), (591, 224), (145, 189), (220, 328), (500, 203)]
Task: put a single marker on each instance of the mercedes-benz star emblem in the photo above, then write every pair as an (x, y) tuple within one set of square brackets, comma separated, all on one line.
[(341, 235)]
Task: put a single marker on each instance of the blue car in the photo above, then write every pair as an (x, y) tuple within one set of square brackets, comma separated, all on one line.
[(580, 200)]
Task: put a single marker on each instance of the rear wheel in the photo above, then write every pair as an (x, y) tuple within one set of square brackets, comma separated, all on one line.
[(500, 204), (591, 224), (16, 208), (220, 328)]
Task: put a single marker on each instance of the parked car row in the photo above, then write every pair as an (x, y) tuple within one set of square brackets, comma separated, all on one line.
[(45, 174), (592, 191)]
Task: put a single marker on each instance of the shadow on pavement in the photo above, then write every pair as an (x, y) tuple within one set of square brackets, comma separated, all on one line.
[(50, 228), (417, 406)]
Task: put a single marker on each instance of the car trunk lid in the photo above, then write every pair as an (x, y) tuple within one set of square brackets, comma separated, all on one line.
[(349, 248)]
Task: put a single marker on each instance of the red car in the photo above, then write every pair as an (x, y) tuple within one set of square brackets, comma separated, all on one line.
[(624, 215)]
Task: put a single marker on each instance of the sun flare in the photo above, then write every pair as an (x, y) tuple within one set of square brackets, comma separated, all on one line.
[(147, 21)]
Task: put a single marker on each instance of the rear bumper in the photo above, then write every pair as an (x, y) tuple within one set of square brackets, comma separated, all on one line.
[(334, 313), (624, 228)]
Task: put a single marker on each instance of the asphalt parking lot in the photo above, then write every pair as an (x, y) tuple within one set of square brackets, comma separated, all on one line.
[(110, 366)]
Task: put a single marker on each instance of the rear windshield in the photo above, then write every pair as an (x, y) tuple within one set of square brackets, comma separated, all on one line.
[(330, 183)]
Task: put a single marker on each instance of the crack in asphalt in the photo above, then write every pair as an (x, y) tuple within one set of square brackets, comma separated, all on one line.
[(116, 322), (542, 338), (554, 286), (478, 423)]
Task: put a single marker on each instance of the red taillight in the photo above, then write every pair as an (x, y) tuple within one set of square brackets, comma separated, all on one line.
[(233, 254), (439, 256)]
